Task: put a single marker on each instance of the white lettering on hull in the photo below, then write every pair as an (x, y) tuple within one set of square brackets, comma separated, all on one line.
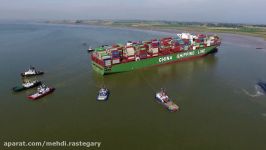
[(182, 55), (164, 59), (189, 53)]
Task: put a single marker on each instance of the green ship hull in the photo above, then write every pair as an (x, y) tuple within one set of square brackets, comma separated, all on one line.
[(166, 59)]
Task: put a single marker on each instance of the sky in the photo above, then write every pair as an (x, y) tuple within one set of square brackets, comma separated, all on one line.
[(229, 11)]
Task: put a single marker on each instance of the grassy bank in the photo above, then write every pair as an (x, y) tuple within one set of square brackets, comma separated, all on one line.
[(243, 29)]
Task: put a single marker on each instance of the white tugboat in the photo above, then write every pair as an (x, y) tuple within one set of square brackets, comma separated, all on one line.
[(90, 49), (163, 99), (31, 72), (103, 94)]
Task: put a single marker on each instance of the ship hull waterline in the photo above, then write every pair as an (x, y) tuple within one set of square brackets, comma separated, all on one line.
[(159, 60)]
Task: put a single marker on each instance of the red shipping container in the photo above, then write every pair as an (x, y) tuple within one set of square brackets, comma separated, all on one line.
[(176, 49)]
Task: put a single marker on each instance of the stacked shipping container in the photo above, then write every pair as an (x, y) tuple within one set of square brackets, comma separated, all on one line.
[(135, 51)]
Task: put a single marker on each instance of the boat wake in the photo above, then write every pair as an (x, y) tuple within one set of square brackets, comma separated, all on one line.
[(258, 92)]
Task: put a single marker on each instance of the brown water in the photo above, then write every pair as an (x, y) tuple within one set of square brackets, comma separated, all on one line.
[(219, 106)]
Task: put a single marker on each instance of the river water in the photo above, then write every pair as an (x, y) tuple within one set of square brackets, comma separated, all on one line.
[(220, 106)]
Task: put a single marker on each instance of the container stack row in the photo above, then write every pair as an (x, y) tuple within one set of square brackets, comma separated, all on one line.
[(135, 51)]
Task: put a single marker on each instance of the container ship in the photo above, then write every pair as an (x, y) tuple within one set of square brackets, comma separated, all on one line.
[(117, 58)]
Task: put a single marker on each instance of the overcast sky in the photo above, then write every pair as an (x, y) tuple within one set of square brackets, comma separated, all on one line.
[(236, 11)]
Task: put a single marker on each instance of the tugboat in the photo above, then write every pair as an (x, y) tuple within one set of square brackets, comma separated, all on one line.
[(262, 85), (31, 72), (26, 85), (103, 94), (90, 49), (42, 91), (163, 99)]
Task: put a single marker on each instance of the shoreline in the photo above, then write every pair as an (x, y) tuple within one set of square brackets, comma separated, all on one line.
[(165, 26), (246, 40)]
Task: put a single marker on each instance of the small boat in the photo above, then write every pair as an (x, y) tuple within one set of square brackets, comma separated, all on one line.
[(103, 94), (27, 85), (259, 48), (41, 92), (31, 72), (90, 49), (262, 85), (163, 99)]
